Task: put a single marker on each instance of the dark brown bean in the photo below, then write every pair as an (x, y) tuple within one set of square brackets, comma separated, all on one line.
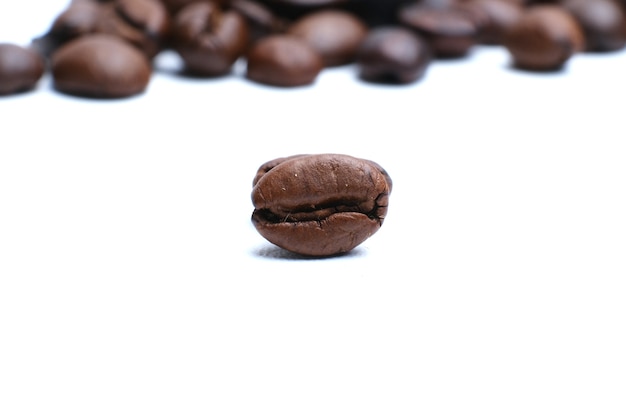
[(100, 66), (174, 6), (602, 21), (143, 23), (320, 205), (334, 34), (544, 38), (450, 32), (393, 55), (208, 39), (78, 19), (261, 20), (283, 61), (20, 68), (495, 18)]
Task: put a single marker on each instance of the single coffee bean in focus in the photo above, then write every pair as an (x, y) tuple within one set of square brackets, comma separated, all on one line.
[(320, 205)]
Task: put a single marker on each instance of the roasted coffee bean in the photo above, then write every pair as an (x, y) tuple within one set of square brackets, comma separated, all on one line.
[(494, 17), (450, 32), (602, 21), (310, 3), (334, 34), (78, 19), (283, 61), (320, 205), (208, 39), (544, 38), (20, 68), (174, 6), (143, 23), (261, 20), (393, 55), (100, 66), (295, 9)]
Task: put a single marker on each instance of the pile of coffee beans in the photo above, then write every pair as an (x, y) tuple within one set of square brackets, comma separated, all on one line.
[(106, 48)]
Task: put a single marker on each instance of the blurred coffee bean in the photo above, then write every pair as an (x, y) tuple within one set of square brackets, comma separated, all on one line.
[(334, 34), (20, 68), (174, 6), (494, 17), (283, 61), (309, 3), (450, 32), (394, 55), (544, 38), (261, 20), (294, 9), (80, 18), (143, 23), (602, 21), (100, 66), (208, 39)]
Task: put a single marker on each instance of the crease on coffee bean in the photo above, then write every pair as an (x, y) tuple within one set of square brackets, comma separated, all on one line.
[(126, 18), (302, 216)]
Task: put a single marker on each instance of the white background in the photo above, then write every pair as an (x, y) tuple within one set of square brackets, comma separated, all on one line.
[(132, 282)]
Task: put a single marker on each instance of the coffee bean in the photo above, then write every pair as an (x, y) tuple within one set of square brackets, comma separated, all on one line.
[(495, 17), (20, 68), (268, 166), (100, 66), (261, 20), (295, 9), (334, 34), (208, 39), (320, 205), (78, 19), (393, 55), (283, 61), (143, 23), (602, 22), (174, 6), (544, 38), (450, 32)]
